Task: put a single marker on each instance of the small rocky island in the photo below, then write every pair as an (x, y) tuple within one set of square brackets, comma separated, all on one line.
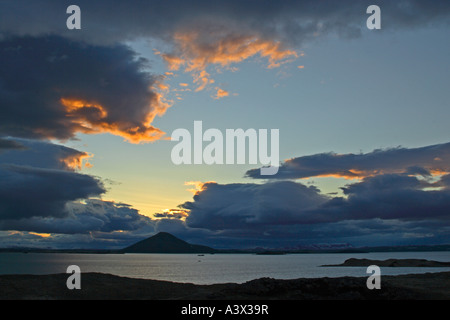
[(353, 262)]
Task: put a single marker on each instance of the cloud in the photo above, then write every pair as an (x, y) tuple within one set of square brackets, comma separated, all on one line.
[(90, 216), (390, 196), (428, 160), (198, 186), (27, 192), (7, 144), (195, 51), (235, 206), (206, 33), (43, 196), (291, 21), (202, 79), (39, 179), (46, 201), (444, 181), (44, 155), (51, 87), (391, 206), (221, 93), (172, 214)]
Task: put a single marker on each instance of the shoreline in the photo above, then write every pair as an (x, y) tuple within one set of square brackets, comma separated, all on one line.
[(103, 286)]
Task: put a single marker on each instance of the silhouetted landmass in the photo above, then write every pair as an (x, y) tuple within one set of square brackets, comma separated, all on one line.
[(49, 250), (353, 262), (101, 286), (407, 248), (164, 242), (271, 252)]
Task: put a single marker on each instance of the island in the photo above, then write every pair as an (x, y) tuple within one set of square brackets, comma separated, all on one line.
[(164, 242), (353, 262)]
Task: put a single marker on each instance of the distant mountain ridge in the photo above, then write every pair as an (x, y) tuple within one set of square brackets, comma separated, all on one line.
[(164, 242)]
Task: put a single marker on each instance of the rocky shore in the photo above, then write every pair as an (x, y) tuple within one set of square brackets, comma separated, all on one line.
[(99, 286)]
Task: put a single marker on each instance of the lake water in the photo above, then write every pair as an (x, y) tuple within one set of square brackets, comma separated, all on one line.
[(210, 268)]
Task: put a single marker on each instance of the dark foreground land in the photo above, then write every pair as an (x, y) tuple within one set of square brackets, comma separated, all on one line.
[(101, 286)]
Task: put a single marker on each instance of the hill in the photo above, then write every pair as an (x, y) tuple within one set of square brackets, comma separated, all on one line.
[(164, 242)]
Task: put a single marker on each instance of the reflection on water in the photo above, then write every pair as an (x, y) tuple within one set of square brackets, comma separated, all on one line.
[(208, 268)]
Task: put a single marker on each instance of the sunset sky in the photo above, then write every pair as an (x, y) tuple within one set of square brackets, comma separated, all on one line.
[(86, 118)]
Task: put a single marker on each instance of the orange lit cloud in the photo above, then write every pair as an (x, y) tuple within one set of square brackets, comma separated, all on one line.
[(221, 93), (163, 86), (77, 161), (92, 89), (199, 186), (428, 161), (93, 118), (225, 50), (439, 172), (180, 214), (202, 79), (350, 174), (42, 235), (194, 52)]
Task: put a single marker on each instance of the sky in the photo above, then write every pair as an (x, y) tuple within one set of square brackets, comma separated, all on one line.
[(87, 115)]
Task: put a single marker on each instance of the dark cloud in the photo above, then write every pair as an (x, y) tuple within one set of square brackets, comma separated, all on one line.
[(45, 200), (385, 183), (382, 210), (444, 181), (39, 191), (38, 180), (44, 155), (392, 205), (7, 144), (291, 21), (82, 218), (27, 192), (171, 214), (418, 171), (403, 194), (230, 206), (51, 87), (391, 196), (423, 161)]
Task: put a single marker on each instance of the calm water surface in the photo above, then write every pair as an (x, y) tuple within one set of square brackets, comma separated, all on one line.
[(208, 268)]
